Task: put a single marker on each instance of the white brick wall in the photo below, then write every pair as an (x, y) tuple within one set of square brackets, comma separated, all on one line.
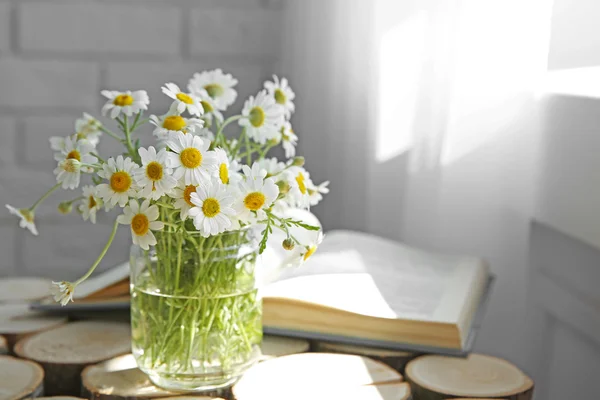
[(55, 57)]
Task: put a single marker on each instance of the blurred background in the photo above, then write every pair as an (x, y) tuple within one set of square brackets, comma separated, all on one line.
[(462, 126)]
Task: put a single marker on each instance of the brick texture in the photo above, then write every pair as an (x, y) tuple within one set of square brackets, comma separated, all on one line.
[(8, 138), (4, 28), (56, 56), (228, 31), (41, 83), (120, 28)]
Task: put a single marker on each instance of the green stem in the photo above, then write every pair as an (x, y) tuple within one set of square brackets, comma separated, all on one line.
[(101, 256), (128, 143), (248, 154), (98, 157), (225, 123), (44, 197), (111, 134)]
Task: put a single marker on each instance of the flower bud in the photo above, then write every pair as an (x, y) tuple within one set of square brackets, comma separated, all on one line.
[(274, 142), (283, 186), (288, 244), (65, 207), (298, 161)]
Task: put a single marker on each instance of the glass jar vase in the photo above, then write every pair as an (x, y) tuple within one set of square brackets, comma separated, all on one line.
[(195, 312)]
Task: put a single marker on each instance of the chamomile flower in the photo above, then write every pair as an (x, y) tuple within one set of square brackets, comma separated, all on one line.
[(90, 204), (205, 133), (271, 165), (218, 86), (213, 207), (183, 202), (254, 173), (282, 93), (182, 101), (262, 117), (311, 248), (68, 173), (63, 292), (154, 178), (127, 103), (57, 143), (299, 181), (77, 149), (88, 128), (143, 220), (255, 196), (191, 159), (210, 107), (168, 125), (315, 193), (27, 218), (288, 140), (120, 184), (226, 169)]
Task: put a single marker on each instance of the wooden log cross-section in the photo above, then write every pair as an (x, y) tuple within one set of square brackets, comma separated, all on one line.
[(478, 376), (20, 379), (17, 321), (65, 351), (3, 345), (120, 378), (321, 376), (24, 289), (394, 358)]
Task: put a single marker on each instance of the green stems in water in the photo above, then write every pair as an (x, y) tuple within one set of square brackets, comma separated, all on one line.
[(195, 308)]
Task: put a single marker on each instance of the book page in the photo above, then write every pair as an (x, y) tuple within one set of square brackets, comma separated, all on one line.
[(368, 275), (102, 281)]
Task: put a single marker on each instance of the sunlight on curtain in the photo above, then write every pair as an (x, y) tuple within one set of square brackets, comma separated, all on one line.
[(501, 50), (401, 52)]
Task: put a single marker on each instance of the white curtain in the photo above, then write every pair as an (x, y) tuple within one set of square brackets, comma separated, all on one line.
[(421, 114)]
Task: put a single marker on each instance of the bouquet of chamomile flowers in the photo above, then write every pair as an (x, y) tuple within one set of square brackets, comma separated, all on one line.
[(195, 181)]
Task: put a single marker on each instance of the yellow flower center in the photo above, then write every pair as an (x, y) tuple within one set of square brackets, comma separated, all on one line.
[(211, 207), (214, 90), (174, 123), (120, 181), (140, 224), (184, 98), (191, 157), (207, 107), (310, 252), (154, 171), (224, 173), (28, 215), (81, 135), (280, 97), (75, 155), (187, 194), (301, 185), (254, 201), (123, 100), (257, 117), (92, 202)]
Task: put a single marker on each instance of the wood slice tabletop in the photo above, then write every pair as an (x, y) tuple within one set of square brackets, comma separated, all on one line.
[(24, 289), (65, 351), (3, 345), (316, 375), (394, 358), (119, 378), (435, 377), (20, 378), (17, 321)]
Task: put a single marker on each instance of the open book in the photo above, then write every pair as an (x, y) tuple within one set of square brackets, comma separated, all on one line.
[(358, 289)]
